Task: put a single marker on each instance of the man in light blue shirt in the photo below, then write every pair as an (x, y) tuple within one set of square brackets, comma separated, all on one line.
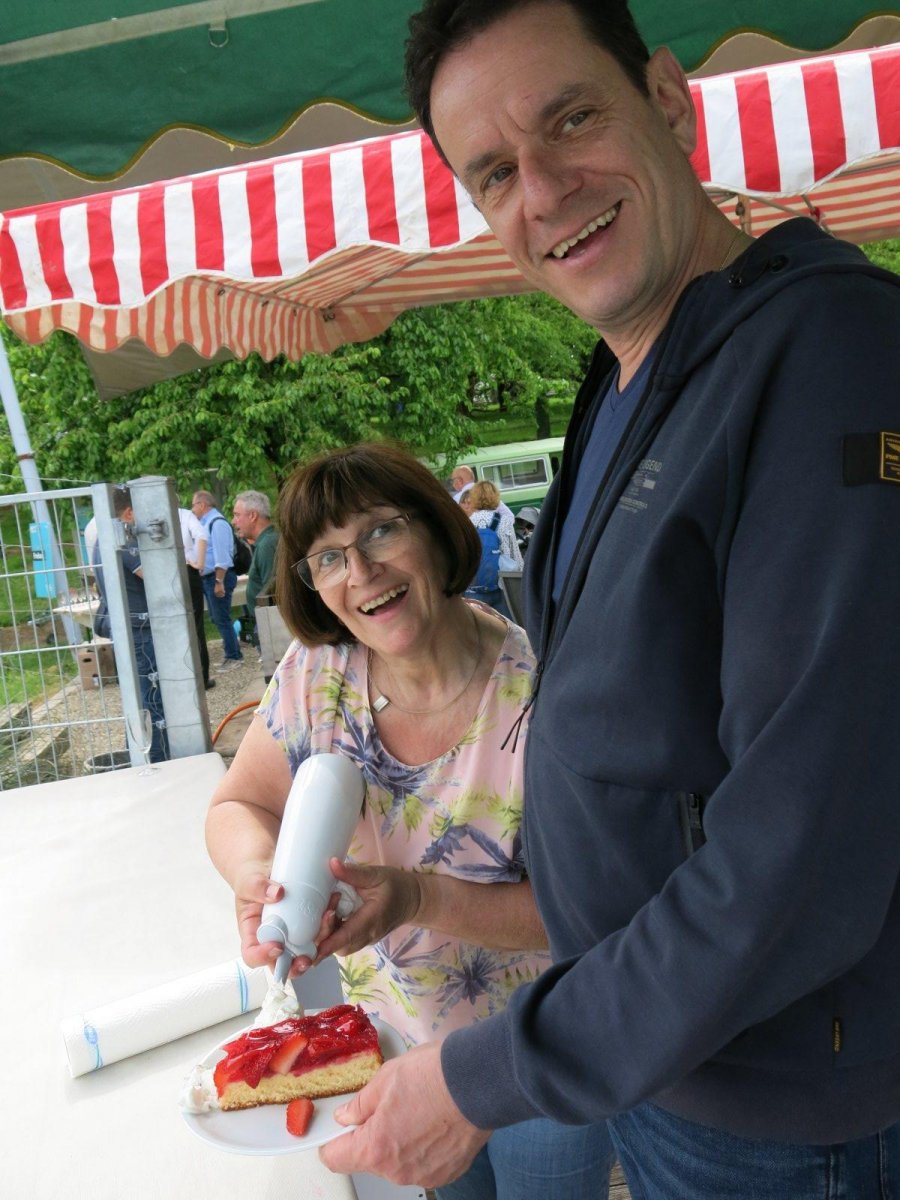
[(218, 575)]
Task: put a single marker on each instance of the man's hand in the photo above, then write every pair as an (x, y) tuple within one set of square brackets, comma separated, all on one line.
[(410, 1131)]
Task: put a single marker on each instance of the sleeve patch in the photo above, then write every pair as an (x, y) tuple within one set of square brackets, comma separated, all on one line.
[(871, 458)]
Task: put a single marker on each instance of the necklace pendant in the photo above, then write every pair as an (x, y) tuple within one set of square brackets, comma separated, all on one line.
[(380, 703)]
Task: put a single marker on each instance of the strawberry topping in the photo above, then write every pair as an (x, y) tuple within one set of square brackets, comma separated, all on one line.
[(299, 1115), (286, 1054), (296, 1045)]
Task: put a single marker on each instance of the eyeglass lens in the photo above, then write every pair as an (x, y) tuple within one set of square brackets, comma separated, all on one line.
[(377, 544)]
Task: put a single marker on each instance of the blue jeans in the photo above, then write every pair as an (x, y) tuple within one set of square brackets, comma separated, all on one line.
[(220, 612), (151, 696), (538, 1160), (664, 1157)]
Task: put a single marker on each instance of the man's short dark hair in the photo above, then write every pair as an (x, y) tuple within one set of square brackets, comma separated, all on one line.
[(121, 500), (443, 25), (337, 486)]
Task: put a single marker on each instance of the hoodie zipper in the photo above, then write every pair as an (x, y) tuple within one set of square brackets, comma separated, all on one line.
[(596, 373), (691, 805), (621, 467)]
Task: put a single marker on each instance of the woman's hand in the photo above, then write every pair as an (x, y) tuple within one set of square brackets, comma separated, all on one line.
[(390, 897), (253, 888)]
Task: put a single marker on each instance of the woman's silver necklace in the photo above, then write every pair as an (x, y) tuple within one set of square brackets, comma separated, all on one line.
[(380, 701)]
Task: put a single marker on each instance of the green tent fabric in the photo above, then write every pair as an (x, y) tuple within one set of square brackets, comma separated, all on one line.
[(693, 29), (92, 84)]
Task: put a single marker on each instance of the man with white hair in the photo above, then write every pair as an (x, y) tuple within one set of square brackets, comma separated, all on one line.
[(252, 520), (461, 480)]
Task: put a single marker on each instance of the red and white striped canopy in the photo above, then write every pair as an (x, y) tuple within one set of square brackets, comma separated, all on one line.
[(312, 250)]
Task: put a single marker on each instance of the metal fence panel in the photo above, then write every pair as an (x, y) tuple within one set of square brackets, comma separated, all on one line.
[(69, 701)]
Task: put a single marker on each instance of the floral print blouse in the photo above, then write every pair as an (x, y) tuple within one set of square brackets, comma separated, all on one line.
[(458, 815)]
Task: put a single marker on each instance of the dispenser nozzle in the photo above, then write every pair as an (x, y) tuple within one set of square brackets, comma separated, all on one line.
[(282, 966)]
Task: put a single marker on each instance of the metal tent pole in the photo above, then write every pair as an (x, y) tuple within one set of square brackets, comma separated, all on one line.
[(32, 481), (20, 440)]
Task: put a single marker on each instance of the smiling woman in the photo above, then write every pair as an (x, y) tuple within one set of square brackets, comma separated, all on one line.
[(396, 670)]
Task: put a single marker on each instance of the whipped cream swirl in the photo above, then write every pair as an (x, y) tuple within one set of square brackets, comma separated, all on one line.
[(198, 1091)]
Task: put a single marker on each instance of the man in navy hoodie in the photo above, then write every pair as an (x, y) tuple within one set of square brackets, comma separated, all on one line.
[(712, 818)]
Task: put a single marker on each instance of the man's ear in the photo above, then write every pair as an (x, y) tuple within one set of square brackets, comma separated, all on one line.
[(670, 93)]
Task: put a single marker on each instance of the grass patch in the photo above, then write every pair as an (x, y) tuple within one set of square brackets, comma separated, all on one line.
[(23, 679), (496, 428)]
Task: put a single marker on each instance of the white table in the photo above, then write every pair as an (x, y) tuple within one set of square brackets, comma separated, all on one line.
[(106, 890), (81, 611)]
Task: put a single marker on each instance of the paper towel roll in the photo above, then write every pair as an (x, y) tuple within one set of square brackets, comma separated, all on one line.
[(162, 1014)]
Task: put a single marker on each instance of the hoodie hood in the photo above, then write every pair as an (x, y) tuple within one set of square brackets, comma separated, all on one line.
[(715, 304)]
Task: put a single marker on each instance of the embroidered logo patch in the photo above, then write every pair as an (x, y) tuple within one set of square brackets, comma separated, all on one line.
[(871, 458), (890, 457), (643, 482)]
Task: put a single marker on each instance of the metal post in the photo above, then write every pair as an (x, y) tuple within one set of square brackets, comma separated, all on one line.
[(32, 480), (19, 435), (164, 570), (110, 537)]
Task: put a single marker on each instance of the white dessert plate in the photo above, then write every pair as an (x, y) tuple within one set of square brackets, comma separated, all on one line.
[(263, 1130)]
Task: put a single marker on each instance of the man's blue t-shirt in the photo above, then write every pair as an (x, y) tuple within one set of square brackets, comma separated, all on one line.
[(609, 424), (135, 592)]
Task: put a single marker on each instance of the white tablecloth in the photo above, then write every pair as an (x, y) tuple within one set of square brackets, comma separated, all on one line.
[(105, 890)]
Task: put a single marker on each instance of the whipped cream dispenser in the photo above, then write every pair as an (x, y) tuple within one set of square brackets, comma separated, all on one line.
[(323, 807)]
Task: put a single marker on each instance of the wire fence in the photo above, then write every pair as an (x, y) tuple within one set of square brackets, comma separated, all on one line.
[(60, 704)]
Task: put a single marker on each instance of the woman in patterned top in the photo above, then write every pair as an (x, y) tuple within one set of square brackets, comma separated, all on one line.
[(393, 668)]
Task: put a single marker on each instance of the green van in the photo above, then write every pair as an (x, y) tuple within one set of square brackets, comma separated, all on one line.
[(521, 470)]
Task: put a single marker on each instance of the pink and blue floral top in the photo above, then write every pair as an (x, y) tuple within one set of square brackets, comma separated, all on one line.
[(458, 815)]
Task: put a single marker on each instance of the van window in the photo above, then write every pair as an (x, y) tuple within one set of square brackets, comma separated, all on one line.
[(524, 473)]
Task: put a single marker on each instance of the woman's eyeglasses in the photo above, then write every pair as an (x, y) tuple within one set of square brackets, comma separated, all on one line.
[(379, 544)]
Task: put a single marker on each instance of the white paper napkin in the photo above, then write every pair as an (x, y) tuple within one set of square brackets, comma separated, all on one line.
[(162, 1014)]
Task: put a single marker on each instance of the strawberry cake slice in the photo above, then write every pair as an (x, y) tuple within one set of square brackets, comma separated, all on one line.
[(325, 1054)]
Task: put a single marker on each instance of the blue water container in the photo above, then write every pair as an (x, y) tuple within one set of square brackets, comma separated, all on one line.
[(42, 558)]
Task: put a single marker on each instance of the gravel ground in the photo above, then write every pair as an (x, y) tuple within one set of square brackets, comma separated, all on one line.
[(58, 736), (232, 687)]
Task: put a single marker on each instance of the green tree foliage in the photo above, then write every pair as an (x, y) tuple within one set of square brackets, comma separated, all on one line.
[(251, 421), (60, 406), (885, 254)]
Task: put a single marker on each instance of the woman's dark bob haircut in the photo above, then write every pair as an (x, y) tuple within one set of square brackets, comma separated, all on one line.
[(339, 485)]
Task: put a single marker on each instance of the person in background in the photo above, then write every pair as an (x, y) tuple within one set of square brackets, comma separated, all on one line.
[(393, 669), (193, 538), (90, 540), (252, 519), (712, 826), (525, 522), (218, 575), (482, 504), (136, 598), (461, 480)]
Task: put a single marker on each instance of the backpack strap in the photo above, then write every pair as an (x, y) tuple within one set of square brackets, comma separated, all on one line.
[(233, 538)]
